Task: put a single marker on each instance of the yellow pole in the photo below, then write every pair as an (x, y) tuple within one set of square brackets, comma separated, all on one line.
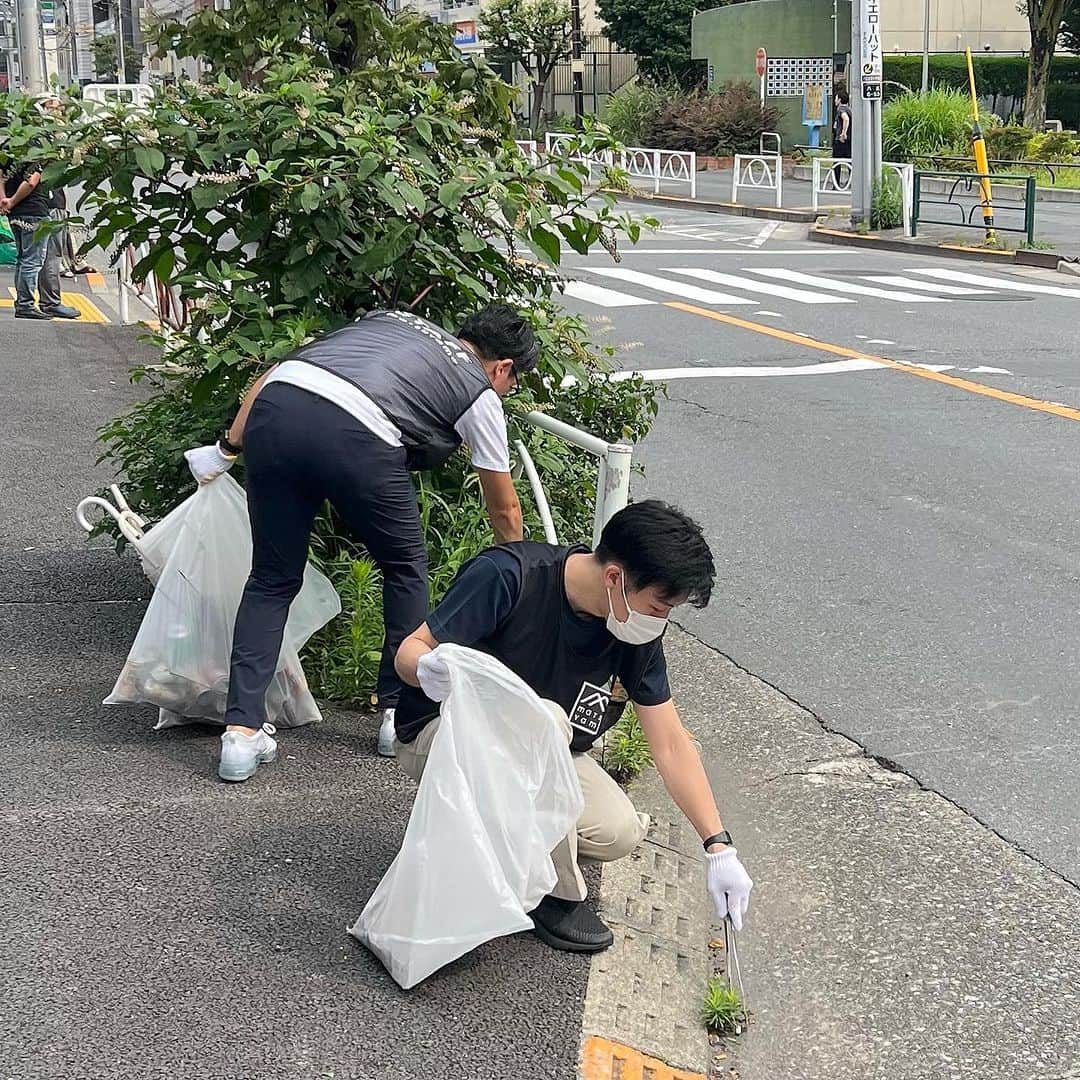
[(981, 161)]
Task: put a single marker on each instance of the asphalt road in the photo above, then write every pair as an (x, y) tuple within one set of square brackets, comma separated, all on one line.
[(897, 553)]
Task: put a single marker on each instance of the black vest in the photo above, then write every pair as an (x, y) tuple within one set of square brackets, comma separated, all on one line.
[(423, 378), (565, 657)]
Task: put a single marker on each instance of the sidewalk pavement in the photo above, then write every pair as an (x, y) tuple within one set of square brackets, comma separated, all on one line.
[(890, 936)]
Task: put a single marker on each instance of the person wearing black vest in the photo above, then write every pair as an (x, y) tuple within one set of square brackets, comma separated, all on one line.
[(576, 626), (344, 419)]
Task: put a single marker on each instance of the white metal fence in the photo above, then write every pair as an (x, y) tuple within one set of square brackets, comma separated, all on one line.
[(641, 162), (759, 172), (832, 176), (615, 461)]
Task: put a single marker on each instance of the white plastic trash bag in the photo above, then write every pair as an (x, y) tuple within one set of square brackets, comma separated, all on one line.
[(199, 558), (498, 794)]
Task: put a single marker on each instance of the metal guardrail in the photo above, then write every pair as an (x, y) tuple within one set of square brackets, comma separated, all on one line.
[(1048, 166), (763, 172), (641, 162), (968, 184), (163, 299), (615, 461), (837, 181)]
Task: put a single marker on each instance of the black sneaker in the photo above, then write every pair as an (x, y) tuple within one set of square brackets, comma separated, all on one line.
[(31, 313), (570, 925), (63, 311)]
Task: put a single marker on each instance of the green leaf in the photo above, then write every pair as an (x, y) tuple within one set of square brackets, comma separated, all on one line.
[(165, 264), (413, 196), (547, 242), (310, 197), (422, 128), (206, 195), (150, 160), (252, 158), (451, 193)]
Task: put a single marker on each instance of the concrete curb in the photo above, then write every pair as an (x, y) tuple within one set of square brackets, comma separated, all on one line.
[(1048, 260), (802, 215), (645, 992)]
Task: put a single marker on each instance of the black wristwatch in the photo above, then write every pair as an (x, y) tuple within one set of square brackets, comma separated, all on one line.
[(228, 447), (718, 838)]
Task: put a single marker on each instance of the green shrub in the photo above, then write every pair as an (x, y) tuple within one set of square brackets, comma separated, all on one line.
[(329, 176), (917, 126), (625, 752), (1053, 146), (887, 206), (631, 110), (1008, 143), (722, 1012), (729, 120)]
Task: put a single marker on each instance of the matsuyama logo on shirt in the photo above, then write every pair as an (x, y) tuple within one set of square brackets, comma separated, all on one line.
[(590, 708)]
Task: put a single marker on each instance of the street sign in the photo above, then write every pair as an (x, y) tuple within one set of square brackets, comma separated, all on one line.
[(870, 31), (465, 33), (761, 62)]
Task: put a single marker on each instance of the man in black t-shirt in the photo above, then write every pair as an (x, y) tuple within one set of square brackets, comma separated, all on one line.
[(841, 136), (571, 623)]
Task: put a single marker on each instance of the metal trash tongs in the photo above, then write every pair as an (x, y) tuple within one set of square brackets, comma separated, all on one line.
[(731, 966)]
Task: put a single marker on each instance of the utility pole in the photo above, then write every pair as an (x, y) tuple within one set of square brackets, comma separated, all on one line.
[(577, 63), (121, 71), (926, 48), (31, 48), (865, 99)]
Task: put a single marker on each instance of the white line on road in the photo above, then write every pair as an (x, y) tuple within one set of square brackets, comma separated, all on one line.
[(736, 281), (925, 286), (675, 288), (880, 341), (766, 231), (983, 370), (774, 314), (596, 294), (833, 367), (997, 283), (844, 286), (707, 249)]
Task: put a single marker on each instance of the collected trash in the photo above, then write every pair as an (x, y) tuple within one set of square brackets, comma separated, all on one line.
[(198, 558), (498, 794)]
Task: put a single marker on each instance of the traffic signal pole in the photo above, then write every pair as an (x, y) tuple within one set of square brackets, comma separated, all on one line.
[(864, 90)]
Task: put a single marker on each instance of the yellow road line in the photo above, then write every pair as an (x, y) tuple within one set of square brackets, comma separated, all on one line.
[(90, 312), (96, 281), (1006, 396)]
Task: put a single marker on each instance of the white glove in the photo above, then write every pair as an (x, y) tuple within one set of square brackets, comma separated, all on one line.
[(729, 885), (208, 462), (433, 676)]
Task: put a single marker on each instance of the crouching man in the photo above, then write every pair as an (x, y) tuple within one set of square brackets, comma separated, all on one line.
[(570, 622)]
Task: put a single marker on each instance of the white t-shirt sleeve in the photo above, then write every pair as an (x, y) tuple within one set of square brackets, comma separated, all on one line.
[(482, 428)]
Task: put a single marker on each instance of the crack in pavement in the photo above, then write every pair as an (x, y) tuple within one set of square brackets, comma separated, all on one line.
[(887, 763)]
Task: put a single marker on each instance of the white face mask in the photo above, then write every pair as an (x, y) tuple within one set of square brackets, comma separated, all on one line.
[(638, 629)]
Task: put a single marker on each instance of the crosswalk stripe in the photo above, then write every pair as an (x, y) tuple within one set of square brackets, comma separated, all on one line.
[(596, 294), (799, 295), (844, 286), (675, 288), (925, 286), (997, 283)]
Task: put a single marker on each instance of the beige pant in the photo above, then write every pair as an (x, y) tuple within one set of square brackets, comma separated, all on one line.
[(609, 827)]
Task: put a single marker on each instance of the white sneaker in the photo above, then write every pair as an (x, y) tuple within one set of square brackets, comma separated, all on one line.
[(387, 734), (242, 754)]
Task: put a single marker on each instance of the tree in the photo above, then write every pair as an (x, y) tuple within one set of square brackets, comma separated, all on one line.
[(657, 32), (533, 33), (1045, 21), (106, 65), (318, 177)]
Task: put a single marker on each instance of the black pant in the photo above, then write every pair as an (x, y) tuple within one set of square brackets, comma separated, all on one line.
[(299, 450)]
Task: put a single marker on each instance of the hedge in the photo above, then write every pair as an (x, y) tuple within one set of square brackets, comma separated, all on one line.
[(1004, 76)]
